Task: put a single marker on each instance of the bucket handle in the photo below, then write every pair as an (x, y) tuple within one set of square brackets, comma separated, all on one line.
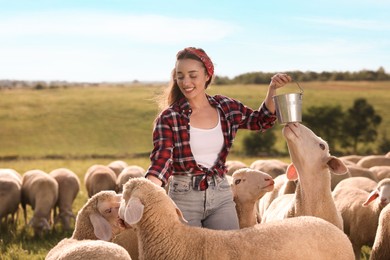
[(296, 82)]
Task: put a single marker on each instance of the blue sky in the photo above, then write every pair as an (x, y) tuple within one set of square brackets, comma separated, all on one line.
[(117, 40)]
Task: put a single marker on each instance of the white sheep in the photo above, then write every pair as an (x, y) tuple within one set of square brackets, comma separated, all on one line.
[(99, 177), (73, 249), (381, 248), (248, 186), (358, 171), (128, 240), (360, 211), (10, 194), (68, 188), (354, 158), (40, 191), (117, 166), (362, 183), (96, 220), (381, 171), (282, 186), (374, 160), (152, 213), (131, 171), (336, 178), (233, 165), (311, 164), (273, 167)]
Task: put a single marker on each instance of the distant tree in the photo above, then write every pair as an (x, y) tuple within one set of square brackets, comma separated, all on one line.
[(221, 80), (381, 74), (326, 122), (359, 125), (384, 144), (39, 86), (257, 143)]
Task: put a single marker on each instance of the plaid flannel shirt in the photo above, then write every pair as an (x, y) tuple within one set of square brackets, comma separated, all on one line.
[(172, 154)]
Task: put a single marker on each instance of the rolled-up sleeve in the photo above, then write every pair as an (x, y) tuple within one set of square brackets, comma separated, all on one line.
[(247, 118)]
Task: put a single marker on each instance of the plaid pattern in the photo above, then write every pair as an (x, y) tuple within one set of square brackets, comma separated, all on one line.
[(171, 139)]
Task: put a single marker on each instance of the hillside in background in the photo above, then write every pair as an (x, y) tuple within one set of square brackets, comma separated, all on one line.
[(117, 121)]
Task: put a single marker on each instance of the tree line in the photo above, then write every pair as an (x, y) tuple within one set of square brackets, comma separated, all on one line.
[(264, 77), (346, 132), (246, 78)]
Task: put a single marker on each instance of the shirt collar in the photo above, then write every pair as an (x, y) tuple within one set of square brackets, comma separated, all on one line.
[(184, 106)]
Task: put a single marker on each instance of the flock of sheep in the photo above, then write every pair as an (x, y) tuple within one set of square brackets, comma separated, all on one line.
[(317, 207)]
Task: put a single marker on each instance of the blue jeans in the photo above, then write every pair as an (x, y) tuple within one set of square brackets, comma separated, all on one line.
[(212, 208)]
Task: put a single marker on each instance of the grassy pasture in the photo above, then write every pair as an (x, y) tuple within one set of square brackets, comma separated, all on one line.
[(117, 121), (79, 127)]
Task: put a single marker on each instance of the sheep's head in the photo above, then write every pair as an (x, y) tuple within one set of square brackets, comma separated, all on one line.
[(40, 225), (249, 184), (102, 211), (302, 142), (382, 193), (141, 195)]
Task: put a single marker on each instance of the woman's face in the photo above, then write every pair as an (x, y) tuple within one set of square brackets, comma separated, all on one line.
[(191, 77)]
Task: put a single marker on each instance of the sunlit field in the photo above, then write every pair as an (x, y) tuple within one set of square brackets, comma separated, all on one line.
[(78, 127)]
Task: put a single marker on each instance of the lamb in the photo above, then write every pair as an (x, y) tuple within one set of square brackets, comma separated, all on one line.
[(311, 163), (362, 183), (72, 249), (147, 208), (273, 167), (381, 171), (336, 178), (128, 172), (128, 240), (68, 188), (282, 186), (361, 222), (97, 219), (358, 171), (40, 191), (381, 248), (374, 160), (98, 178), (248, 187), (117, 166), (233, 165), (10, 194), (354, 158)]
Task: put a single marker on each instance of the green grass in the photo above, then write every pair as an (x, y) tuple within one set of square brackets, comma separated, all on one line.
[(118, 121), (86, 126)]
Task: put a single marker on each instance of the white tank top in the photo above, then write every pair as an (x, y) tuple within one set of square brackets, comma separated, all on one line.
[(206, 144)]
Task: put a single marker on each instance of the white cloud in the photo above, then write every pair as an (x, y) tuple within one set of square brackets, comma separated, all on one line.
[(139, 28), (361, 24)]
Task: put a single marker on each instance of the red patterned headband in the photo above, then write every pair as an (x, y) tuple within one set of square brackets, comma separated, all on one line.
[(201, 54)]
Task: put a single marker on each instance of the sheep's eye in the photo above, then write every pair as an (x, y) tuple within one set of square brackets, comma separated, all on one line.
[(322, 146), (237, 181), (108, 210)]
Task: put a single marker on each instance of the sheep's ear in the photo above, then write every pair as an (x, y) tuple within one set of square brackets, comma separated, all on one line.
[(101, 227), (373, 195), (337, 166), (292, 173), (134, 211), (178, 212)]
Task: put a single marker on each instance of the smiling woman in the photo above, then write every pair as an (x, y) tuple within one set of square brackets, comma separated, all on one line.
[(192, 138)]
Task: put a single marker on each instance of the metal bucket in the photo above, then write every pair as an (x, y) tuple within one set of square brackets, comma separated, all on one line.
[(289, 107)]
